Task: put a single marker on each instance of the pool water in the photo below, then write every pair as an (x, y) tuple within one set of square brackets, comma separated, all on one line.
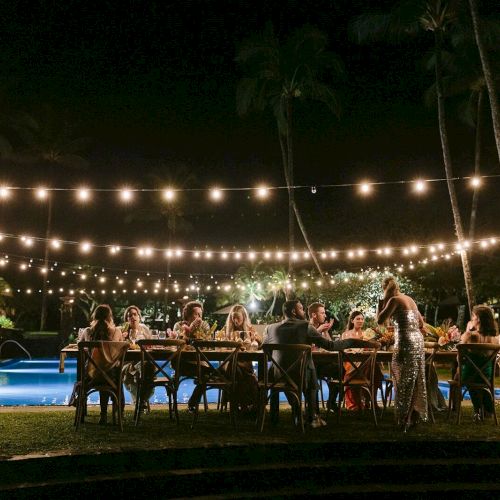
[(38, 382)]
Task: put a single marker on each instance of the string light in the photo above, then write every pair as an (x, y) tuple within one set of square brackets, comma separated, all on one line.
[(475, 182), (126, 195), (83, 194), (41, 193), (216, 194), (168, 194), (365, 188), (420, 186), (262, 192)]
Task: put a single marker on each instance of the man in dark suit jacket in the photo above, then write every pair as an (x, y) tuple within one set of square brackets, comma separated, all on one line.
[(294, 329)]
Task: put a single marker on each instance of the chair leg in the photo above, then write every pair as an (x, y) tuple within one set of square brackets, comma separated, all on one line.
[(321, 393)]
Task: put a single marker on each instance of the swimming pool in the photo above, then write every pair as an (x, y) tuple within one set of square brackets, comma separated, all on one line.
[(37, 382)]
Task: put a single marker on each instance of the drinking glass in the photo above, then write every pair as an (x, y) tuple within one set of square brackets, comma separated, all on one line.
[(154, 334), (162, 335)]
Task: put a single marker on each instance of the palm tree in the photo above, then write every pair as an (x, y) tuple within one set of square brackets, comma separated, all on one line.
[(464, 78), (51, 142), (278, 73), (408, 18), (487, 70)]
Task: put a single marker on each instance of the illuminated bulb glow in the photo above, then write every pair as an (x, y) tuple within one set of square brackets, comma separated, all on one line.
[(475, 181), (262, 192), (126, 195), (85, 246), (420, 186), (55, 244), (168, 194), (216, 194), (41, 193), (4, 192), (365, 188), (83, 194)]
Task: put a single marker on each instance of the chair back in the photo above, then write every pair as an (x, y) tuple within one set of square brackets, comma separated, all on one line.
[(480, 359), (289, 376), (97, 358), (359, 366), (161, 354), (224, 373)]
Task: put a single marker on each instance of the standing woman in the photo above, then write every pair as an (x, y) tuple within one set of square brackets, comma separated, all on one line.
[(103, 328), (247, 385), (408, 360)]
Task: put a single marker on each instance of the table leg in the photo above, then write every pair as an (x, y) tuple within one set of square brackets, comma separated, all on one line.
[(62, 358)]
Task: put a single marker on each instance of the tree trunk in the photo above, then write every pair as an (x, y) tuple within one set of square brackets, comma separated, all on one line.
[(291, 227), (449, 170), (48, 230), (292, 209), (289, 182), (488, 75), (477, 164)]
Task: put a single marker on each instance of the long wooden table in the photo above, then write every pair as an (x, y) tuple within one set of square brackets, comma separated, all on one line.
[(319, 357)]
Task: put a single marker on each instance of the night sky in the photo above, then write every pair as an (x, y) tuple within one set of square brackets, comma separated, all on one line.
[(152, 85)]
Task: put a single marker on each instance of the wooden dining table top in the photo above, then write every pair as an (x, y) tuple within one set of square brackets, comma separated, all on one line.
[(320, 356)]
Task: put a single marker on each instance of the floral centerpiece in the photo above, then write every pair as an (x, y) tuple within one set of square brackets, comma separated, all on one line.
[(447, 335), (382, 334)]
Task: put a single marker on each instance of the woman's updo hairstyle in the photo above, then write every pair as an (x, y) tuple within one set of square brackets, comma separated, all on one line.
[(390, 287)]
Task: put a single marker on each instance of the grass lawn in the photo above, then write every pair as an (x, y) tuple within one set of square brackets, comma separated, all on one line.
[(50, 431)]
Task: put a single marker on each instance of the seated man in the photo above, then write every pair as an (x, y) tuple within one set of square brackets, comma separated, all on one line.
[(317, 318), (294, 329)]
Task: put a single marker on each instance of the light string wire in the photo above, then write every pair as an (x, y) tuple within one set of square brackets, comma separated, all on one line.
[(253, 255), (5, 189)]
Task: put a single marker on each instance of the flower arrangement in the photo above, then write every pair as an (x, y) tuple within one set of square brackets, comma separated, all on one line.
[(381, 334), (447, 335)]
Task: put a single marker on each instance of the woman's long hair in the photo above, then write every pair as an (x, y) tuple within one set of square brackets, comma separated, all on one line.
[(102, 325), (229, 321), (350, 321), (390, 287), (487, 324)]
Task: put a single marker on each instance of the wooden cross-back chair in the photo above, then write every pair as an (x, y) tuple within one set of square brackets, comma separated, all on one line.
[(100, 367), (289, 379), (163, 358), (221, 376), (479, 358), (357, 370)]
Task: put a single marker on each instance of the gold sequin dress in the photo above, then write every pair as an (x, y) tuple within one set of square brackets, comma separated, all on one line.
[(408, 367)]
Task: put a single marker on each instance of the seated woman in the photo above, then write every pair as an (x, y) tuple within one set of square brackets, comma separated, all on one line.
[(354, 330), (103, 328), (133, 331), (482, 328), (238, 324), (191, 327)]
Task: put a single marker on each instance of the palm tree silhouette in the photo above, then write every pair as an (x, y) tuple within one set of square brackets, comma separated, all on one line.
[(278, 73), (409, 18)]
